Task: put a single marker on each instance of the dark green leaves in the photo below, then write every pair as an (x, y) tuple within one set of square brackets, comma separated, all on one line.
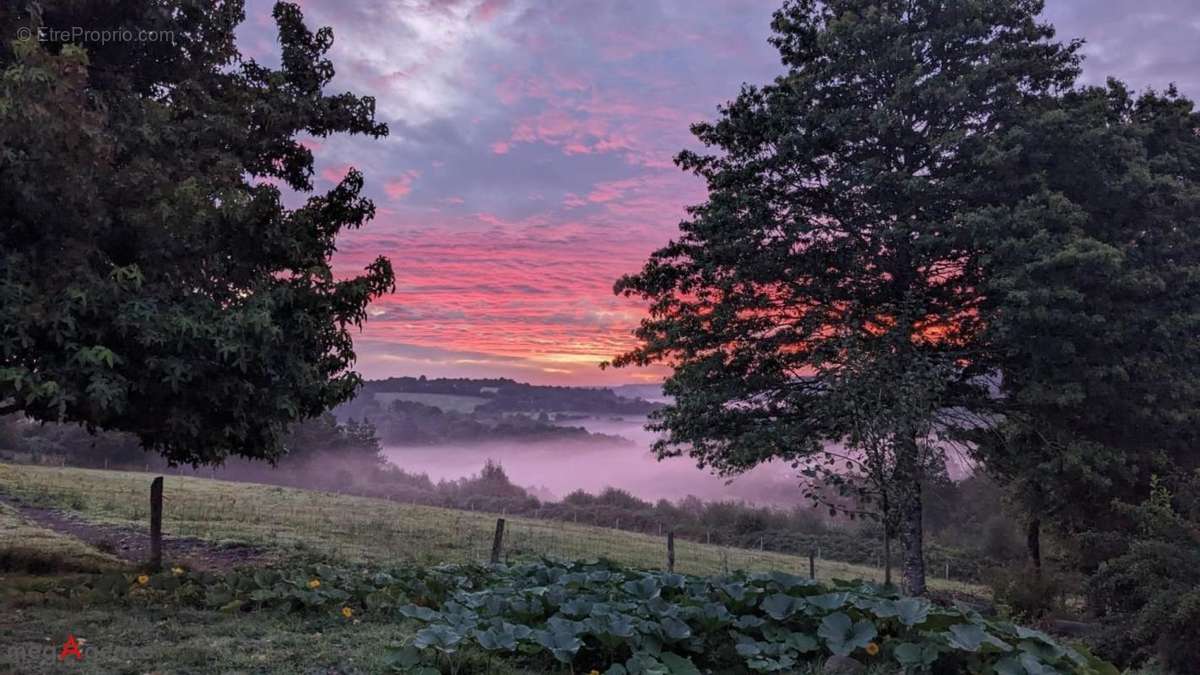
[(918, 656), (440, 637), (972, 637), (780, 606), (830, 286), (843, 636), (562, 644), (151, 279), (472, 610)]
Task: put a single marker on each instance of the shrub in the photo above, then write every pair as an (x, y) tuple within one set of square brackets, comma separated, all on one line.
[(1025, 593), (1148, 597)]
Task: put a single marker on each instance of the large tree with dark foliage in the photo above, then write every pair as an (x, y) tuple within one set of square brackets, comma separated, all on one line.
[(1093, 290), (834, 255), (151, 279)]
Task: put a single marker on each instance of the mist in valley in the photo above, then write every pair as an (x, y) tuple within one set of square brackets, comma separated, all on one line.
[(553, 469)]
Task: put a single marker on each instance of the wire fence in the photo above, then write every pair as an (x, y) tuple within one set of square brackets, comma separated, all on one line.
[(374, 530)]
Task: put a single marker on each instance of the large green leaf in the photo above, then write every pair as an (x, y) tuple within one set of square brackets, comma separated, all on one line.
[(644, 588), (912, 611), (440, 637), (503, 637), (780, 606), (916, 656), (562, 645), (971, 637), (828, 601), (674, 630), (678, 665), (843, 636)]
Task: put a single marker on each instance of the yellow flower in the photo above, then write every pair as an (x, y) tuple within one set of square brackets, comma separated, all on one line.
[(347, 612), (872, 648), (314, 583), (177, 571), (143, 579), (594, 672)]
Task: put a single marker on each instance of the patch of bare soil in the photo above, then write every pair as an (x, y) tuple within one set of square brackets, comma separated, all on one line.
[(133, 545)]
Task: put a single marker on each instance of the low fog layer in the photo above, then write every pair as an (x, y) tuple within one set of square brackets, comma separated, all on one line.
[(554, 469)]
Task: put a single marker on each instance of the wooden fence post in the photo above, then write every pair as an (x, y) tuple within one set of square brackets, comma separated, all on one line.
[(498, 541), (671, 550), (156, 499), (812, 564)]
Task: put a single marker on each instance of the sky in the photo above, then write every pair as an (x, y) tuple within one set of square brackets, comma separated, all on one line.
[(529, 160)]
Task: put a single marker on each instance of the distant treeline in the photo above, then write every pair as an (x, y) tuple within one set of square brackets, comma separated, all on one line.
[(346, 458), (417, 424), (505, 395)]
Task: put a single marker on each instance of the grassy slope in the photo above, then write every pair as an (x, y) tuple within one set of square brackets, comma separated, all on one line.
[(157, 638), (165, 639), (364, 529), (26, 548)]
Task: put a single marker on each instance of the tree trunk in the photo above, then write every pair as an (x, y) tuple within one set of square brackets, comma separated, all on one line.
[(912, 536), (887, 559), (1033, 542)]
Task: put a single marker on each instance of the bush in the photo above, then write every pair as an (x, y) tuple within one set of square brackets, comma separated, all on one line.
[(1148, 597), (1025, 593)]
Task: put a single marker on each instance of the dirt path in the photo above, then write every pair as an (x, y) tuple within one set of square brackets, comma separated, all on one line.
[(133, 545)]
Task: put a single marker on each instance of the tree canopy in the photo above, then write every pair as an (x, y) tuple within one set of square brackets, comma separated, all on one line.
[(1094, 303), (152, 279), (835, 253)]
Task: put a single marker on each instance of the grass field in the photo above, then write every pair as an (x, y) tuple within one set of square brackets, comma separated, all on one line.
[(342, 527), (154, 638), (37, 564), (27, 548), (447, 402)]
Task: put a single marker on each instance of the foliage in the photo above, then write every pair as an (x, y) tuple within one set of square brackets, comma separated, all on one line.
[(1093, 296), (1148, 596), (309, 442), (151, 279), (1026, 593), (597, 615), (833, 255)]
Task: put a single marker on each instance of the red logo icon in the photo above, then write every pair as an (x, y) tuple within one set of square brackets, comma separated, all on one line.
[(70, 648)]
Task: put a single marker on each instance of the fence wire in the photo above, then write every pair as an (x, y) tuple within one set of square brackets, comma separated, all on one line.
[(377, 530)]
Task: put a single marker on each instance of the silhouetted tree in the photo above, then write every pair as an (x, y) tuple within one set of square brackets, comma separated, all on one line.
[(151, 279), (838, 233)]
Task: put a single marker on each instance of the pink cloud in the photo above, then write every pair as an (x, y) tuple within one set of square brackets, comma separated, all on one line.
[(335, 173), (312, 144), (399, 187), (488, 9)]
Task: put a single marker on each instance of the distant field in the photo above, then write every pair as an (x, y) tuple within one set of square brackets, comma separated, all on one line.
[(363, 529), (447, 402)]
